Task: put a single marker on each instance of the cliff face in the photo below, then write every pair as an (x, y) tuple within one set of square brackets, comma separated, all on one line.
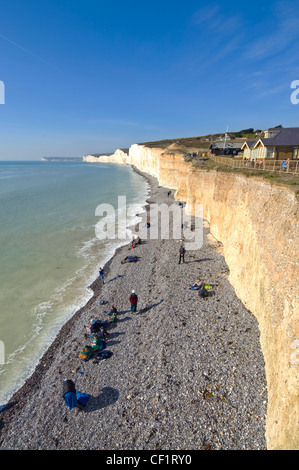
[(257, 224), (165, 165), (118, 157)]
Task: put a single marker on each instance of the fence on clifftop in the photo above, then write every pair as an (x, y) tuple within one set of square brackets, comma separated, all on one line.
[(277, 166)]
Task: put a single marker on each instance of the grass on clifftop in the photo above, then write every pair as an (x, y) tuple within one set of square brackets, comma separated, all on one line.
[(194, 143), (285, 179), (199, 143)]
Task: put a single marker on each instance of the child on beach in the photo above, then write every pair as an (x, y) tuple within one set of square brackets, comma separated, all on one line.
[(112, 315), (103, 333), (101, 273)]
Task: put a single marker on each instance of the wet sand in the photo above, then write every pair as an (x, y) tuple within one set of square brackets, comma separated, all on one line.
[(186, 373)]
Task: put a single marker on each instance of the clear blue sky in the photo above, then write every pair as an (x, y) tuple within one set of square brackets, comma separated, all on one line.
[(92, 76)]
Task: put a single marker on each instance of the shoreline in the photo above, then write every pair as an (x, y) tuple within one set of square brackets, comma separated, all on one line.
[(162, 334), (42, 307), (95, 287)]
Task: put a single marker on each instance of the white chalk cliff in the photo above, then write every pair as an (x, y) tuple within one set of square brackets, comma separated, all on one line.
[(257, 223)]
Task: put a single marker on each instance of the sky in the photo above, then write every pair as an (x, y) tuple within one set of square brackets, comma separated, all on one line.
[(81, 77)]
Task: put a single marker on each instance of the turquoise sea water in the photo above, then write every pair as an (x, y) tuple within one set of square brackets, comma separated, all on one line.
[(49, 252)]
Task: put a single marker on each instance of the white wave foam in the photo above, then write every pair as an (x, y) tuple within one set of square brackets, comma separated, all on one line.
[(46, 326)]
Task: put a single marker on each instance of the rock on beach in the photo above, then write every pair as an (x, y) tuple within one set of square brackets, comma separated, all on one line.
[(186, 373)]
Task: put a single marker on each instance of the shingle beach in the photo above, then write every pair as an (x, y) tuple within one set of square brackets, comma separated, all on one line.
[(186, 373)]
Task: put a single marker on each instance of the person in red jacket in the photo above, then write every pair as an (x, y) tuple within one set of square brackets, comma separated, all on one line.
[(133, 301)]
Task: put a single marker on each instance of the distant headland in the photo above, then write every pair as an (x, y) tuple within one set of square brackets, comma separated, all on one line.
[(61, 159)]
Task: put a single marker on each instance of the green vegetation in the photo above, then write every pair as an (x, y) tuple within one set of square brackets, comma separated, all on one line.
[(203, 142), (187, 142)]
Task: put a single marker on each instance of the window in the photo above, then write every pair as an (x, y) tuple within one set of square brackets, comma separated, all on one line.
[(270, 152), (296, 153), (261, 152)]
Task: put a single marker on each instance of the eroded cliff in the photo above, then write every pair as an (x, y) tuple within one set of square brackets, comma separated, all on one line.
[(119, 156), (257, 224)]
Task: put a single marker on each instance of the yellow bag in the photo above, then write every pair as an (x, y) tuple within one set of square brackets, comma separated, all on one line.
[(208, 287)]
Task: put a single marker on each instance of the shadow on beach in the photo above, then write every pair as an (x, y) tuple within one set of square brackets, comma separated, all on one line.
[(108, 396), (124, 319), (4, 408), (7, 406), (149, 307), (114, 335), (122, 312), (112, 343), (113, 279), (198, 260)]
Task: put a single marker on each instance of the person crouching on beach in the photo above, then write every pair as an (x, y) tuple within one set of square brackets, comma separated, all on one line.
[(112, 315), (197, 285), (133, 301), (70, 395), (73, 398)]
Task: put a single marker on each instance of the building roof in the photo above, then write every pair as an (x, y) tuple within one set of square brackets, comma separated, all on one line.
[(228, 144), (286, 137), (250, 144), (276, 129)]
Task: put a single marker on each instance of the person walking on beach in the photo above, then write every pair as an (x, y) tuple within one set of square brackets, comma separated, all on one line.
[(101, 273), (182, 252), (133, 301)]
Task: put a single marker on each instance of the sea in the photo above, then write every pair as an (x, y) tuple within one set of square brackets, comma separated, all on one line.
[(51, 250)]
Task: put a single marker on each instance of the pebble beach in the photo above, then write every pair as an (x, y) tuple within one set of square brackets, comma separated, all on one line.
[(186, 373)]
